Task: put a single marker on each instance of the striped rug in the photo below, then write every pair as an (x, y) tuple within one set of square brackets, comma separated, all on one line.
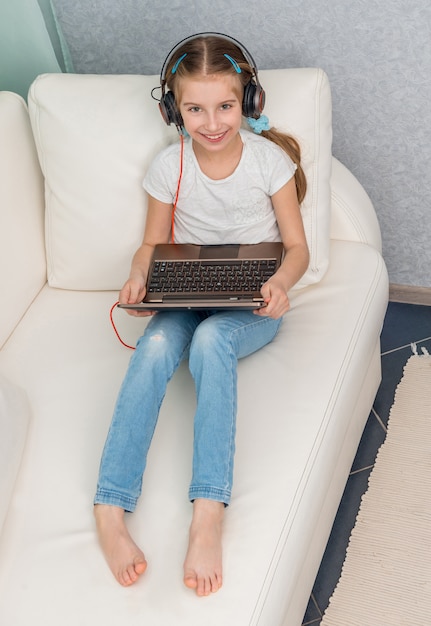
[(386, 576)]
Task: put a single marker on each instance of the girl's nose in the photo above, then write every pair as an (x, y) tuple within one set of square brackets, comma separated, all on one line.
[(212, 121)]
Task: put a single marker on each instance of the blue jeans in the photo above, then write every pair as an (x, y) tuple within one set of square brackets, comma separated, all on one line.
[(213, 341)]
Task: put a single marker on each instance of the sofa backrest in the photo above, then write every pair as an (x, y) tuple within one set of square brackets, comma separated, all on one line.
[(22, 252), (95, 137)]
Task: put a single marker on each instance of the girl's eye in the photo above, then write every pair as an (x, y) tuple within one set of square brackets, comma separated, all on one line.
[(194, 109), (225, 107)]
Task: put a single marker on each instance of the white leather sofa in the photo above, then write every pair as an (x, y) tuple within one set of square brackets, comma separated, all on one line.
[(72, 211)]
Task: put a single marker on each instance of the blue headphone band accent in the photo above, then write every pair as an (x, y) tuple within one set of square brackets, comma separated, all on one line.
[(236, 67), (174, 69), (243, 49)]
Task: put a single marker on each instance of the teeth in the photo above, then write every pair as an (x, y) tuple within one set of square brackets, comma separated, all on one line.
[(215, 136)]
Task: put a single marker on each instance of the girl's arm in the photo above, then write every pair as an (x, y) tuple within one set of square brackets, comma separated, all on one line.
[(296, 259), (157, 230)]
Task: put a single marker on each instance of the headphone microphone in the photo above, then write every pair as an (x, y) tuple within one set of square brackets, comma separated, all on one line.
[(254, 94)]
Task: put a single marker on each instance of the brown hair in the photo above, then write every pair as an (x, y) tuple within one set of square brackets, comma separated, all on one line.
[(205, 55)]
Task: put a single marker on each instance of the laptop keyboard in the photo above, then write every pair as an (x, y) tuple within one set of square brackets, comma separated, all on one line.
[(191, 277)]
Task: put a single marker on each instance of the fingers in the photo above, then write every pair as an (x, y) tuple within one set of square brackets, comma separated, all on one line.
[(133, 292), (277, 302)]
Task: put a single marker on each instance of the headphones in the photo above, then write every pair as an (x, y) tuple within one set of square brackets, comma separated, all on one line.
[(254, 94)]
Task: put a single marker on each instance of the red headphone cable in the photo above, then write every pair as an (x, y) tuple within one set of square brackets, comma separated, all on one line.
[(111, 317), (178, 187)]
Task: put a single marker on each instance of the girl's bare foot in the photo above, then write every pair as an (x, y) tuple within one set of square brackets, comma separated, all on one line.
[(126, 560), (203, 563)]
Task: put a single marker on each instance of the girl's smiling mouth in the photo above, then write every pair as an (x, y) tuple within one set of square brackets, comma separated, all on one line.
[(214, 138)]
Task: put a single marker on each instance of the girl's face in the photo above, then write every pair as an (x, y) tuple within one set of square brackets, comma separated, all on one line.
[(211, 110)]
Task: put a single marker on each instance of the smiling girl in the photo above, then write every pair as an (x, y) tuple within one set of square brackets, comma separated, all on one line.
[(235, 186)]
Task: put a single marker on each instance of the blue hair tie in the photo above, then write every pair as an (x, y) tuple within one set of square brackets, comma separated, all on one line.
[(262, 123)]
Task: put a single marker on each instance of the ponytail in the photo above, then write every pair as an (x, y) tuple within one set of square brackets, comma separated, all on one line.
[(292, 149)]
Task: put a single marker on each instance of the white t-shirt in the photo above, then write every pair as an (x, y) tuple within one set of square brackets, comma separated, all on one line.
[(236, 209)]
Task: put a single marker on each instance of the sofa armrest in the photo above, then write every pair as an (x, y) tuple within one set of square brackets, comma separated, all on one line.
[(353, 217), (22, 246)]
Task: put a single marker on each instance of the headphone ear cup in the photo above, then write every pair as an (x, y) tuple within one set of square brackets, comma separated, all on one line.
[(169, 110), (253, 100)]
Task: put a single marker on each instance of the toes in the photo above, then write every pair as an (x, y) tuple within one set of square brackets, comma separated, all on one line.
[(125, 579), (190, 580), (131, 572), (140, 567), (217, 582), (203, 586)]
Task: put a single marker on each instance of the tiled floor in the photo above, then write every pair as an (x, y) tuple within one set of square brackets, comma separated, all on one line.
[(404, 324)]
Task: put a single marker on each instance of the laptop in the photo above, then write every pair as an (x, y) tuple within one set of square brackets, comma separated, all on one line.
[(189, 276)]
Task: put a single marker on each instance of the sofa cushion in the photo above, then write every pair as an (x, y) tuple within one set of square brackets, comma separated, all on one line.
[(14, 421), (95, 137), (294, 441)]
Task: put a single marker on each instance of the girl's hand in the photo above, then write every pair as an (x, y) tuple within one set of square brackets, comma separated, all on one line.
[(133, 292), (277, 302)]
